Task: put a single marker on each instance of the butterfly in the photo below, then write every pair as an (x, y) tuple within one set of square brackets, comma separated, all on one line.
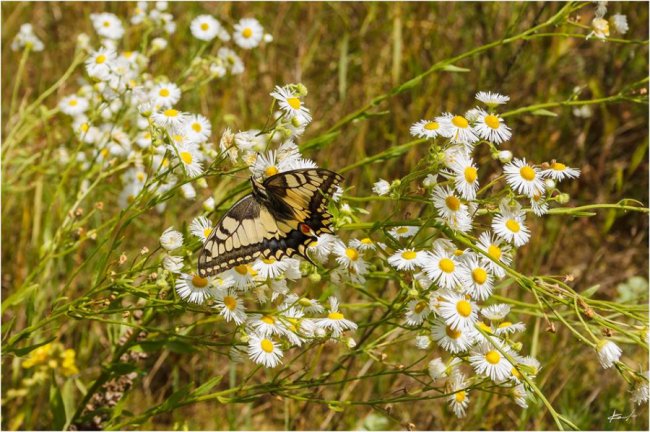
[(281, 217)]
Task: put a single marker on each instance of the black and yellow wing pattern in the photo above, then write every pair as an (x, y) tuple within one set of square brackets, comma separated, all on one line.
[(278, 219)]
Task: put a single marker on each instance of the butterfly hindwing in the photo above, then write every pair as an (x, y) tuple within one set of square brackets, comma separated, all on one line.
[(283, 225)]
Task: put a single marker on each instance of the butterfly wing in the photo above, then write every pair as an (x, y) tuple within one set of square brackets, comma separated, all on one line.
[(244, 233), (305, 192)]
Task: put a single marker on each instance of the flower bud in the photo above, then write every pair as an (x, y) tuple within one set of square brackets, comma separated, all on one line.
[(504, 156), (563, 198)]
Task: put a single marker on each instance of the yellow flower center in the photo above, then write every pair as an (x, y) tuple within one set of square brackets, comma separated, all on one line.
[(494, 252), (294, 102), (84, 127), (313, 244), (268, 319), (352, 254), (270, 171), (196, 127), (205, 26), (515, 373), (470, 174), (513, 225), (266, 345), (458, 252), (104, 152), (335, 316), (452, 203), (419, 307), (106, 24), (558, 166), (242, 269), (268, 260), (486, 328), (163, 92), (366, 240), (464, 308), (186, 157), (199, 282), (207, 232), (247, 32), (492, 121), (409, 255), (127, 54), (432, 126), (230, 302), (73, 102), (446, 265), (460, 396), (527, 173), (100, 59), (170, 113), (402, 230), (479, 275), (140, 176), (505, 324), (493, 357), (460, 122), (453, 334)]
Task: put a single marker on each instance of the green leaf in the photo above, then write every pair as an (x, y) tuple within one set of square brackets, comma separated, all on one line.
[(207, 386), (452, 68), (174, 400), (544, 112), (57, 407), (589, 292)]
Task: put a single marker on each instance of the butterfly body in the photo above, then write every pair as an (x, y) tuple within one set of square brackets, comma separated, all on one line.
[(281, 217)]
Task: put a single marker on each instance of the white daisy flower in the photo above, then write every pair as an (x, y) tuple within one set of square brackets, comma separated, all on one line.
[(458, 311), (206, 28), (640, 393), (264, 351), (244, 276), (171, 239), (337, 194), (417, 311), (292, 272), (496, 312), (201, 227), (295, 163), (447, 203), (608, 353), (266, 325), (403, 231), (437, 369), (335, 321), (231, 59), (266, 165), (510, 227), (26, 37), (73, 105), (250, 140), (190, 157), (158, 44), (311, 306), (475, 278), (491, 127), (170, 119), (407, 259), (248, 33), (193, 288), (422, 342), (619, 22), (504, 156), (488, 361), (498, 252), (230, 306), (523, 177), (381, 188), (459, 400), (165, 95), (442, 267), (321, 246), (539, 205), (107, 25), (507, 328), (197, 128), (491, 99), (290, 103), (520, 396), (558, 171), (425, 129), (457, 129), (188, 191), (270, 268), (349, 257), (465, 176), (364, 244), (173, 264), (100, 63)]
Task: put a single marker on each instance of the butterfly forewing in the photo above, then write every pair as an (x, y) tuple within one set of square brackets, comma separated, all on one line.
[(283, 226)]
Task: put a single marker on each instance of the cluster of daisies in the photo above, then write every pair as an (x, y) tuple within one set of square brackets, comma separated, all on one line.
[(289, 320), (123, 114), (450, 281)]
